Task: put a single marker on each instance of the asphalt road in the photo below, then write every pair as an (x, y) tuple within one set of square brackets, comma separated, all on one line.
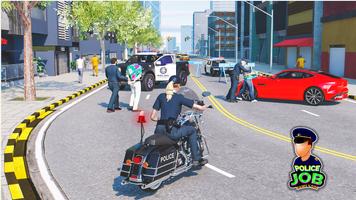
[(85, 146)]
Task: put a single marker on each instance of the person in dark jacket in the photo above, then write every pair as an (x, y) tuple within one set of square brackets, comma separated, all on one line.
[(234, 79), (114, 77)]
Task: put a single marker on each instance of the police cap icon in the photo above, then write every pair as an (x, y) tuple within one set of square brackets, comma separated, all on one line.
[(302, 134)]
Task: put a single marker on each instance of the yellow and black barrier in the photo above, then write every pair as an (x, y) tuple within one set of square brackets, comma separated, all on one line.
[(15, 165)]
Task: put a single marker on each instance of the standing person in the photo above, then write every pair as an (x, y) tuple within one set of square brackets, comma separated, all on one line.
[(134, 73), (248, 76), (95, 65), (80, 67), (114, 77), (234, 79), (300, 62), (170, 104)]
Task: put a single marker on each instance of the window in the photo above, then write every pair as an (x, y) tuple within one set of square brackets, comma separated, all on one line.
[(292, 74), (307, 75), (166, 60)]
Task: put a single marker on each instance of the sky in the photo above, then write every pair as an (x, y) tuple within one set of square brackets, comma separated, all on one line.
[(177, 13)]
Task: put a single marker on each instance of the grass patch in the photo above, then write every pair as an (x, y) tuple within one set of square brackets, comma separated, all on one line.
[(23, 99)]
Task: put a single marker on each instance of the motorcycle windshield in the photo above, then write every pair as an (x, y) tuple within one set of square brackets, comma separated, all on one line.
[(189, 94)]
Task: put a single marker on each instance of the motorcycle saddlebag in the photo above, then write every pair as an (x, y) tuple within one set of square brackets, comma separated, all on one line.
[(161, 161), (130, 153)]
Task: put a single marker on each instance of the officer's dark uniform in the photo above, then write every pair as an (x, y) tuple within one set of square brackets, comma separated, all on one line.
[(114, 77), (299, 136), (170, 111), (234, 79)]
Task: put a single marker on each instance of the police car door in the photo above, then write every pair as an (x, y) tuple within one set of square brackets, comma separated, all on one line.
[(165, 67)]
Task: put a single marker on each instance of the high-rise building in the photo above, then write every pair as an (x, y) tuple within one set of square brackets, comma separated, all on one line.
[(221, 35), (222, 6), (186, 34), (155, 7), (200, 32), (171, 44)]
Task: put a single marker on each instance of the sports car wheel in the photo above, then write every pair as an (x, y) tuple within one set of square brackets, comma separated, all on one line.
[(246, 95), (314, 96)]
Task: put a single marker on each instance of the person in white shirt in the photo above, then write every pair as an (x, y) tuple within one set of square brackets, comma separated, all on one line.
[(80, 67)]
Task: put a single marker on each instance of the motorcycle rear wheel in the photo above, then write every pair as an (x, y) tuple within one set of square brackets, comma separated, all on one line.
[(154, 188)]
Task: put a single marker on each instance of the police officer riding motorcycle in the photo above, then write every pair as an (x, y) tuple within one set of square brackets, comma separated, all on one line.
[(177, 145), (170, 104)]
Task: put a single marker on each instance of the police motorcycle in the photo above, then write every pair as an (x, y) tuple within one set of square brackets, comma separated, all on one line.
[(149, 163)]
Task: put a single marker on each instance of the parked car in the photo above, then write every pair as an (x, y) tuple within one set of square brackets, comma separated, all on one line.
[(157, 68), (313, 87), (212, 66)]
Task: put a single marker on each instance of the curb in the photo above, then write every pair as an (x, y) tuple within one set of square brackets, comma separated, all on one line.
[(269, 75), (15, 164)]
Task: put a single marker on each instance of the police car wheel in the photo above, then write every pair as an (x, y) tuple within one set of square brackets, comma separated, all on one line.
[(314, 96), (148, 82), (183, 77), (212, 72)]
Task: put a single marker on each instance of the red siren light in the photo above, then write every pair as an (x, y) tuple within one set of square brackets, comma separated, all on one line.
[(141, 117)]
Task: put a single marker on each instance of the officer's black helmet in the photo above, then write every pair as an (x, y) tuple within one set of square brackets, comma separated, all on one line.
[(175, 79)]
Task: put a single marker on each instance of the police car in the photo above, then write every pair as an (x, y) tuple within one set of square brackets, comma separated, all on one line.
[(157, 68), (212, 66)]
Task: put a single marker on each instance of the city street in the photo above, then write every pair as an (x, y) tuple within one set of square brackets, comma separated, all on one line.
[(249, 142)]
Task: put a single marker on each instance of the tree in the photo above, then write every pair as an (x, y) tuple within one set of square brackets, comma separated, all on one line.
[(95, 17), (132, 30), (24, 10)]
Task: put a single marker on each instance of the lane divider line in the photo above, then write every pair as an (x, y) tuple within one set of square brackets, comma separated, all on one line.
[(310, 113), (148, 97), (351, 101), (15, 164), (279, 136), (219, 171)]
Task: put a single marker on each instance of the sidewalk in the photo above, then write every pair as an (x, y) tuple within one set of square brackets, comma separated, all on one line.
[(263, 67), (13, 112)]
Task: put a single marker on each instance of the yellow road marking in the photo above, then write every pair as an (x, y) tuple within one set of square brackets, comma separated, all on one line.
[(229, 115), (15, 191)]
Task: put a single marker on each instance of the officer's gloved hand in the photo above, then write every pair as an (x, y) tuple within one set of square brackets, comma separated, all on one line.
[(200, 103)]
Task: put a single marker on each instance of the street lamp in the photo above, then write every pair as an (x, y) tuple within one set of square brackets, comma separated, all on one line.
[(236, 33), (271, 16), (219, 39)]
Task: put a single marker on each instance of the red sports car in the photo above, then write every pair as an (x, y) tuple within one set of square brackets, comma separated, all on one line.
[(314, 87)]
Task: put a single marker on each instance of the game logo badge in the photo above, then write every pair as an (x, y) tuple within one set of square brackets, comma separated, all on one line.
[(307, 168)]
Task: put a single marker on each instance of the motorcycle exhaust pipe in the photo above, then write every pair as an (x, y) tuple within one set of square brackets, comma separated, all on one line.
[(124, 182)]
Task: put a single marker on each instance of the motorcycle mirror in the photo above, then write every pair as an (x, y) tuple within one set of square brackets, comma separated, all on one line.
[(206, 94)]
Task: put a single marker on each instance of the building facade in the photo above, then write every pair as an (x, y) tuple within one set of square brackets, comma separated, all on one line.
[(172, 45), (200, 32), (51, 39), (338, 38), (221, 35), (53, 42), (186, 37), (222, 6)]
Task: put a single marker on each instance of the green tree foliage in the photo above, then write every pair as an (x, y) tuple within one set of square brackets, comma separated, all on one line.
[(128, 20)]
